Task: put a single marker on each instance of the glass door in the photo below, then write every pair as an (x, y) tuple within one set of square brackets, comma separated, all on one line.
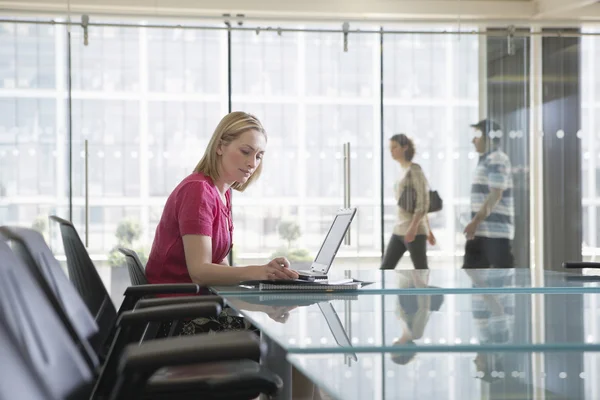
[(435, 87), (313, 98)]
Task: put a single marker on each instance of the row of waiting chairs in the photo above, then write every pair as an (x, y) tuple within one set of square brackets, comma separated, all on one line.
[(62, 338)]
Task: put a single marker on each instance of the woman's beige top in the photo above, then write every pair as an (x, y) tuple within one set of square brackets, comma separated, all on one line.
[(413, 176)]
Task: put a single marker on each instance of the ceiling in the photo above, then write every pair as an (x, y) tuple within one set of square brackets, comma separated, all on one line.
[(335, 10)]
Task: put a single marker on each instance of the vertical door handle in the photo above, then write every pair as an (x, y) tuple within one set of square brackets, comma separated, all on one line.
[(347, 185), (87, 196)]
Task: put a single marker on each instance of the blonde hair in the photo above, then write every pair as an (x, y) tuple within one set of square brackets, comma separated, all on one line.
[(232, 126)]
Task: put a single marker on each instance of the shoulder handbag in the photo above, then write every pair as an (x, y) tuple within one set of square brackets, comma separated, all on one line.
[(435, 201), (408, 199)]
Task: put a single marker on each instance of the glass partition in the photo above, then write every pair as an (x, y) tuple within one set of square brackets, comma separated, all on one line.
[(147, 99), (435, 87), (312, 97), (33, 115), (590, 144)]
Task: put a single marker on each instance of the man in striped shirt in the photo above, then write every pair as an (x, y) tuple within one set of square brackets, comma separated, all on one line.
[(492, 226)]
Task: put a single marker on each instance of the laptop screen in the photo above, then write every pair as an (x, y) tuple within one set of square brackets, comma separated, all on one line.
[(334, 239)]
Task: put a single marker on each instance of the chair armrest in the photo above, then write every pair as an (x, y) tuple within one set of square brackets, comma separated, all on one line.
[(163, 288), (148, 303), (139, 363), (580, 264), (130, 329), (168, 313), (224, 346), (134, 293)]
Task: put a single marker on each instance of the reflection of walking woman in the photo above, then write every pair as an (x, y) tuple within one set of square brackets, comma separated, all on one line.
[(412, 228), (413, 312)]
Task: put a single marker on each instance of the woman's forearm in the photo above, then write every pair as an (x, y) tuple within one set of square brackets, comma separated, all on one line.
[(217, 274), (416, 220)]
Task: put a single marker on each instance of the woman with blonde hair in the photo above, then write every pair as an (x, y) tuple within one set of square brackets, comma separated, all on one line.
[(412, 231), (194, 235)]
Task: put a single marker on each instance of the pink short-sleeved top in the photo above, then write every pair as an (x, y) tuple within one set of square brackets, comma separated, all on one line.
[(193, 208)]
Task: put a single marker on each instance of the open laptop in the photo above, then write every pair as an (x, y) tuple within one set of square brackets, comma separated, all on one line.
[(320, 266)]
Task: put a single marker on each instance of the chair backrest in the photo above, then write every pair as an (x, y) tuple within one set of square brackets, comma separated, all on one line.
[(41, 337), (137, 276), (17, 375), (85, 278), (36, 256)]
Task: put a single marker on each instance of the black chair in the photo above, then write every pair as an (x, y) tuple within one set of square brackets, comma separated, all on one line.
[(85, 278), (37, 258), (137, 275), (49, 355), (575, 268), (580, 264), (16, 373), (226, 378)]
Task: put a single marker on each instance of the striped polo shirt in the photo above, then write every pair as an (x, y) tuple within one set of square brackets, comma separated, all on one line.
[(494, 172)]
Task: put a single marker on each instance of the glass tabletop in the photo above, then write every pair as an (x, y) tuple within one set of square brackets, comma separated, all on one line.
[(346, 323), (518, 280), (474, 375)]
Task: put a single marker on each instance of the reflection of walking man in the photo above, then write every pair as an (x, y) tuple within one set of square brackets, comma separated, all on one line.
[(494, 317), (492, 206)]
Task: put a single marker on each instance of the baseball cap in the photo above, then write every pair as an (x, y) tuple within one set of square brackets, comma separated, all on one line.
[(486, 126)]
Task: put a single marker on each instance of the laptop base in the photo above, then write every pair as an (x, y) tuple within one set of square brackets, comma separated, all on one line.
[(310, 276)]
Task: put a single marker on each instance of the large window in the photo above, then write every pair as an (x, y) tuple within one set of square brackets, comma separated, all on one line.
[(312, 97), (32, 124), (148, 99), (431, 94)]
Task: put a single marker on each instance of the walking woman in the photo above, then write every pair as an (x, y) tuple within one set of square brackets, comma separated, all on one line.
[(412, 231)]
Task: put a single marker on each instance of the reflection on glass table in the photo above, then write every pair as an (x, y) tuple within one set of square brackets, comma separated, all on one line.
[(517, 280), (467, 375), (433, 322), (336, 327)]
